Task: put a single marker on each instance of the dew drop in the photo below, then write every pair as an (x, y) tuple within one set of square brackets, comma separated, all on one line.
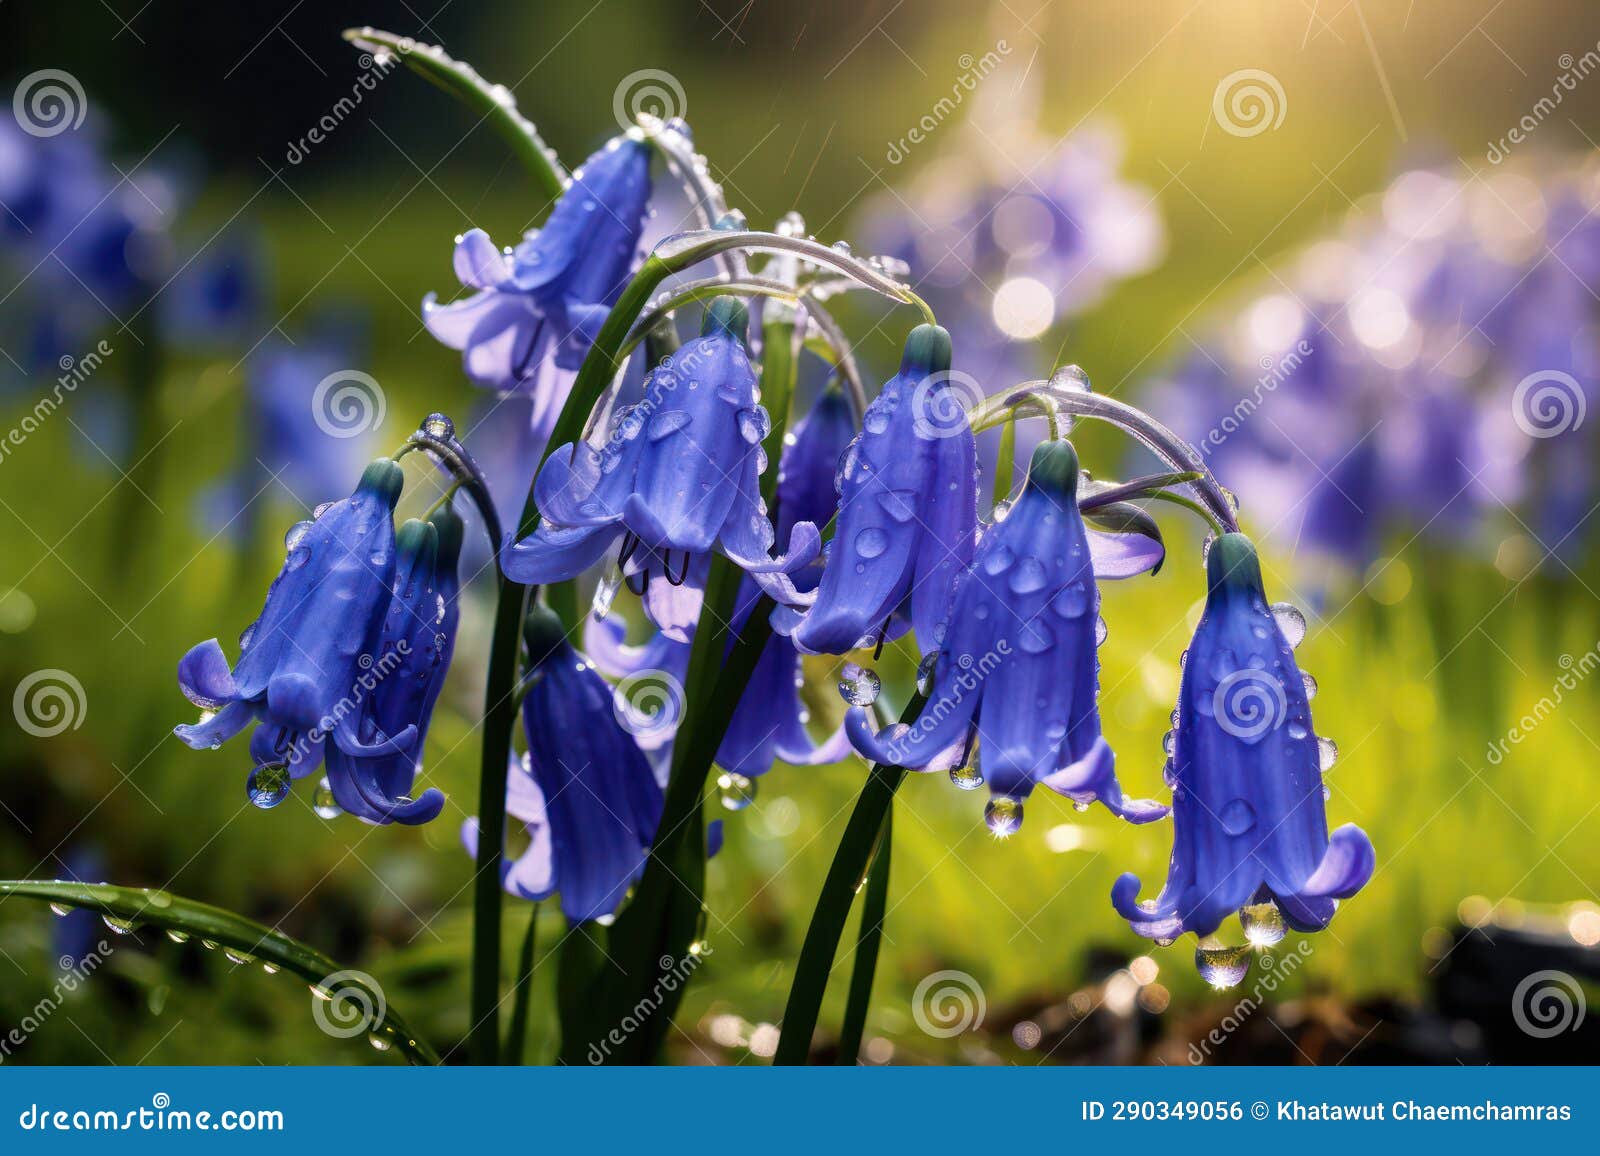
[(605, 593), (268, 785), (754, 425), (61, 909), (291, 539), (1263, 923), (1297, 731), (1221, 966), (1000, 512), (1290, 622), (323, 802), (871, 542), (1237, 817), (1003, 816), (234, 955), (901, 505), (859, 685), (1327, 753), (1028, 576), (925, 671), (120, 926), (968, 777), (666, 424), (876, 421), (1035, 637), (999, 560), (1073, 601), (177, 936), (1101, 631), (737, 791), (1310, 685), (380, 1042)]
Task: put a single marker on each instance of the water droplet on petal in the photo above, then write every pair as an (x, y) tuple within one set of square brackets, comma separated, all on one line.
[(1221, 966), (1003, 816), (737, 791), (754, 425), (1310, 685), (1290, 621), (1327, 754), (876, 421), (666, 424), (268, 785), (901, 505), (1263, 923), (871, 542), (1028, 576), (925, 670), (968, 777), (323, 803), (605, 593), (1237, 817), (1035, 637), (1101, 631), (998, 560), (859, 685), (1073, 601)]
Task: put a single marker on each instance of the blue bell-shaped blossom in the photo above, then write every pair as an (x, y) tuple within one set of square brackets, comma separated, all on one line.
[(678, 477), (1018, 663), (538, 308), (300, 660), (907, 510), (407, 673), (1248, 820), (586, 791)]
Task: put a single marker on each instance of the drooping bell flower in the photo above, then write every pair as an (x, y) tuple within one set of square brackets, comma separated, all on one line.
[(769, 723), (907, 510), (537, 310), (1248, 820), (586, 792), (407, 673), (1018, 663), (678, 478), (299, 661)]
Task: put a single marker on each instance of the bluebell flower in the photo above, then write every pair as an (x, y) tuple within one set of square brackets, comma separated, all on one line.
[(409, 666), (1249, 825), (217, 295), (586, 791), (1018, 666), (678, 478), (300, 660), (769, 723), (907, 510), (538, 308)]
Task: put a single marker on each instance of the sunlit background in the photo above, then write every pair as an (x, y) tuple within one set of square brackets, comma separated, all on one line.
[(1335, 238)]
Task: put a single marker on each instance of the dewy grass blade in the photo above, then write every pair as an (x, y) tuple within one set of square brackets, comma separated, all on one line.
[(146, 907), (492, 102), (874, 909)]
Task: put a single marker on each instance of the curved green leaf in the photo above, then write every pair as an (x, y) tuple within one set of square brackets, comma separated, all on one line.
[(492, 102), (345, 989)]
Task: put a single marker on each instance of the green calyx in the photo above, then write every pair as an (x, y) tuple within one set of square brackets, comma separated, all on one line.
[(928, 351), (1054, 468), (727, 315), (417, 539), (543, 631), (1232, 566), (451, 530), (384, 478)]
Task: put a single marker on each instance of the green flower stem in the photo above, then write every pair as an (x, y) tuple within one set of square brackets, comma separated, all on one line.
[(492, 102), (833, 904), (517, 1036), (874, 908), (187, 917), (1005, 466)]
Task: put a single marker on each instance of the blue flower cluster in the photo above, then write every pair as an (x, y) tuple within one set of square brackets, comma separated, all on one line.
[(1424, 370)]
